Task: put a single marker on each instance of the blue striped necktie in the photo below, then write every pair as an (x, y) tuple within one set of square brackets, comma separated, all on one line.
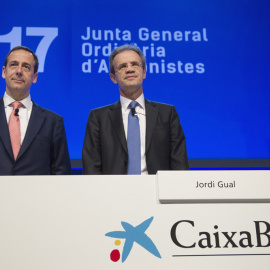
[(133, 141)]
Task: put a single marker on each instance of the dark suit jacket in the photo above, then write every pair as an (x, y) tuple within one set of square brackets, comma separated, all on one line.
[(105, 146), (44, 149)]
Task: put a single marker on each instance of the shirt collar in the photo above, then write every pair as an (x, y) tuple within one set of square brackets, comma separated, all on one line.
[(125, 102), (27, 103)]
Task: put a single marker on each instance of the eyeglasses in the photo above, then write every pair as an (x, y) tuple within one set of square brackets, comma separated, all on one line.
[(123, 67)]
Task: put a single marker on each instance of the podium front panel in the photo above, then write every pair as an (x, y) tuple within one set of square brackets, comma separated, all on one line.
[(117, 222)]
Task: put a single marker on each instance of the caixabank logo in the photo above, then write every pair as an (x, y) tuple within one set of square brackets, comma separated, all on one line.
[(189, 235), (132, 235)]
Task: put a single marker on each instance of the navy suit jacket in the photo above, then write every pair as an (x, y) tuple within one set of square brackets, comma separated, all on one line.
[(44, 149), (105, 146)]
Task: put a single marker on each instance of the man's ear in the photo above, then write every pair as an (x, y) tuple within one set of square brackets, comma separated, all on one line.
[(144, 73), (35, 77), (112, 76), (3, 72)]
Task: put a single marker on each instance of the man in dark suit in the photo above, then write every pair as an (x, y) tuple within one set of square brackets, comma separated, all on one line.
[(39, 145), (106, 147)]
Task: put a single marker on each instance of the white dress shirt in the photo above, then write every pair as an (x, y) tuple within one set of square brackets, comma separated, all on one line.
[(24, 112), (140, 110)]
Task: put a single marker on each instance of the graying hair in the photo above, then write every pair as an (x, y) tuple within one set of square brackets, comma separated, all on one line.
[(126, 47)]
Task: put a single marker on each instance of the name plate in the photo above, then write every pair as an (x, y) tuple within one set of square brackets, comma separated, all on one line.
[(230, 186)]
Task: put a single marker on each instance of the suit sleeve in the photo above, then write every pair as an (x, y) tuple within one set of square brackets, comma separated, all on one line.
[(179, 160), (59, 159), (91, 152)]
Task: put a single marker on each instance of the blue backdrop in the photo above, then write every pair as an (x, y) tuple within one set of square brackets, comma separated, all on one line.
[(208, 58)]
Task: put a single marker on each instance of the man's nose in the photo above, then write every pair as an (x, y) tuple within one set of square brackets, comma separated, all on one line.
[(19, 69), (130, 68)]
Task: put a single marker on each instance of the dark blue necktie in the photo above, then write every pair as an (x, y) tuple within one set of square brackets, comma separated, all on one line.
[(133, 141)]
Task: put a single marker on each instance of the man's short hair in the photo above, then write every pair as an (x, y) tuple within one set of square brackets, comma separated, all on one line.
[(25, 49), (126, 47)]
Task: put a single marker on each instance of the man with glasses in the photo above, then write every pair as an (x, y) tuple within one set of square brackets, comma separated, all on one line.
[(133, 135)]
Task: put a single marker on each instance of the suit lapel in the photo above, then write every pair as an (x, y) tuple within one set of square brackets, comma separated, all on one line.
[(115, 115), (151, 119), (4, 132), (35, 122)]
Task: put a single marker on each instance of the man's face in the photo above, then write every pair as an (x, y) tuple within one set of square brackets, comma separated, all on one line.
[(129, 74), (19, 74)]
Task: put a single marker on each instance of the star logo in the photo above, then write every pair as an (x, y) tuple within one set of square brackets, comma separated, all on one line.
[(136, 234)]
